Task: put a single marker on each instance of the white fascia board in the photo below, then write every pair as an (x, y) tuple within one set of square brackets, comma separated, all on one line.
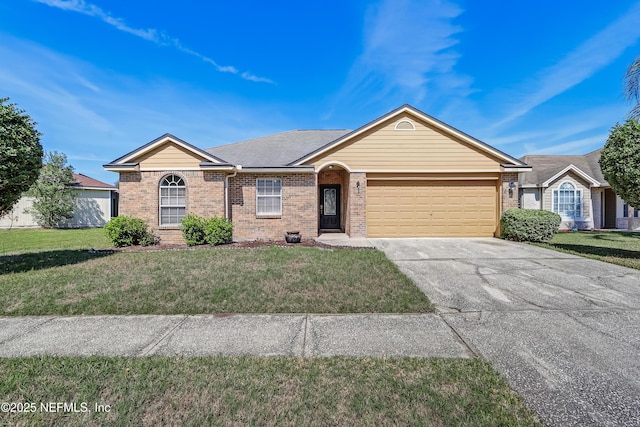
[(577, 171)]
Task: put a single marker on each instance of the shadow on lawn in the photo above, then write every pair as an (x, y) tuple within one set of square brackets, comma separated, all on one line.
[(42, 260), (615, 235), (597, 250)]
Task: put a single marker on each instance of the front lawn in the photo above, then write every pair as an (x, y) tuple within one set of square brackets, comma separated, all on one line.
[(616, 247), (216, 280), (29, 240), (259, 391)]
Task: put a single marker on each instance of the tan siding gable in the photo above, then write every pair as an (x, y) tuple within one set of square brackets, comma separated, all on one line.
[(169, 156), (425, 148)]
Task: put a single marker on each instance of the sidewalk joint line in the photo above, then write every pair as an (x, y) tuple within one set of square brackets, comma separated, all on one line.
[(28, 330), (304, 336), (146, 351), (468, 346)]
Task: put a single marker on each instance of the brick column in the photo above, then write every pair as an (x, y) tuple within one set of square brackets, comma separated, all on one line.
[(357, 204), (509, 200)]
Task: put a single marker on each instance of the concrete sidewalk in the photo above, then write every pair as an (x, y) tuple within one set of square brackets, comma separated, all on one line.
[(296, 335)]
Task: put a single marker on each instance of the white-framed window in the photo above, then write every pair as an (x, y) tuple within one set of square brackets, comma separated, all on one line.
[(269, 196), (567, 201), (173, 200)]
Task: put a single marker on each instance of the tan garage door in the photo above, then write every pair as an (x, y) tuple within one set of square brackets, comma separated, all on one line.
[(431, 208)]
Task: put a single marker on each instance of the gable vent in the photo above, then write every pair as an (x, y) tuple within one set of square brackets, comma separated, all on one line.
[(404, 125)]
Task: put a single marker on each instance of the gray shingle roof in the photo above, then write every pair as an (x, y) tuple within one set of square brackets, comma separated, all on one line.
[(275, 150), (545, 167)]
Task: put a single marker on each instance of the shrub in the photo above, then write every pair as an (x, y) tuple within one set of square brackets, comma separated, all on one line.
[(193, 230), (218, 231), (129, 231), (529, 225)]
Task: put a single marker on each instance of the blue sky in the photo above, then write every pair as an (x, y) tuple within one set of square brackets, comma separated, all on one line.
[(103, 77)]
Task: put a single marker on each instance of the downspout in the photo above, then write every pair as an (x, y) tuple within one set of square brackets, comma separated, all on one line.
[(227, 213)]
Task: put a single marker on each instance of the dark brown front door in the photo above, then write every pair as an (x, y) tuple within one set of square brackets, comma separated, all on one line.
[(330, 206), (609, 209)]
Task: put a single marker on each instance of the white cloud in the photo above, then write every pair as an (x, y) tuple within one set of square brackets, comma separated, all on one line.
[(580, 64), (581, 146), (94, 116), (408, 53), (149, 34)]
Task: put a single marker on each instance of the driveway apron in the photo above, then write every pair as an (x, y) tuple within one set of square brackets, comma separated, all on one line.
[(563, 330)]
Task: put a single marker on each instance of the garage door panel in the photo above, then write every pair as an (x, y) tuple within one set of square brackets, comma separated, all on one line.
[(431, 208)]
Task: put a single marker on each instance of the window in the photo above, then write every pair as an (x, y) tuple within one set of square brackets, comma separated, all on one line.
[(567, 201), (269, 196), (635, 213), (625, 210), (172, 200), (404, 125)]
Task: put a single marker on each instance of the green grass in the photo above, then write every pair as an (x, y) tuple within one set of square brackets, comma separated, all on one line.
[(616, 247), (217, 280), (13, 241), (262, 391)]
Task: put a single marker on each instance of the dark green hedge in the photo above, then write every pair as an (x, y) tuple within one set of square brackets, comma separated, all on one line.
[(128, 231), (214, 231), (529, 225)]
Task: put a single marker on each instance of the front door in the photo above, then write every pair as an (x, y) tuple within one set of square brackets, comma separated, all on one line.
[(610, 213), (330, 207)]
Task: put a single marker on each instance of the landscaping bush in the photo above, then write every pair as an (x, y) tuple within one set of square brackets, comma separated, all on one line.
[(198, 231), (218, 231), (129, 231), (193, 230), (529, 225)]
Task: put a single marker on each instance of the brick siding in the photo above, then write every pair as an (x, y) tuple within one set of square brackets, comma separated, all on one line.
[(139, 197), (509, 200), (299, 207)]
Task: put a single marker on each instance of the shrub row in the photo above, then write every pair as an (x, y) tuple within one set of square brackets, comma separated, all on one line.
[(214, 231), (129, 231), (529, 225)]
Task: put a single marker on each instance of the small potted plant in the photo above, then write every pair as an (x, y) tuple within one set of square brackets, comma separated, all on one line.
[(293, 237)]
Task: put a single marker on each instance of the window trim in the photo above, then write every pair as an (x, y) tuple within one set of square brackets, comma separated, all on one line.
[(161, 206), (577, 197), (278, 196)]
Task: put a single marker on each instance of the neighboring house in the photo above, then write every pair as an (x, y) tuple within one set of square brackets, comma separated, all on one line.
[(96, 203), (404, 174), (573, 186)]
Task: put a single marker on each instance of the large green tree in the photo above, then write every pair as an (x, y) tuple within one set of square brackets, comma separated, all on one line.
[(620, 161), (632, 87), (53, 192), (20, 154)]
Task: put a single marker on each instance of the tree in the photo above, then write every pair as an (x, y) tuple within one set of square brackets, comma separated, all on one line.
[(53, 192), (620, 161), (20, 154), (632, 87)]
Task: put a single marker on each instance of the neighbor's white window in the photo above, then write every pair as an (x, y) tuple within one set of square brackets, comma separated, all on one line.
[(173, 200), (269, 196), (567, 201)]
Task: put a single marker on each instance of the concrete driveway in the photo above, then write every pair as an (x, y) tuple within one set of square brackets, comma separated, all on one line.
[(563, 330)]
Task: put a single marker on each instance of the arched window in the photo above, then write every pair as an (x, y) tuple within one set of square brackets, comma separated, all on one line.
[(567, 201), (173, 200), (404, 125)]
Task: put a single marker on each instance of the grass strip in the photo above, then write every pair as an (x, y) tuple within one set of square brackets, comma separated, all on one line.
[(261, 391), (615, 247)]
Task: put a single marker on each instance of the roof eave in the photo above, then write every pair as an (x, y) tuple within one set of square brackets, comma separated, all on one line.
[(159, 141), (217, 166), (577, 171), (276, 169), (122, 167)]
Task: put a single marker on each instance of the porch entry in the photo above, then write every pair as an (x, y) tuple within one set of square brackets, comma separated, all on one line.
[(329, 207)]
